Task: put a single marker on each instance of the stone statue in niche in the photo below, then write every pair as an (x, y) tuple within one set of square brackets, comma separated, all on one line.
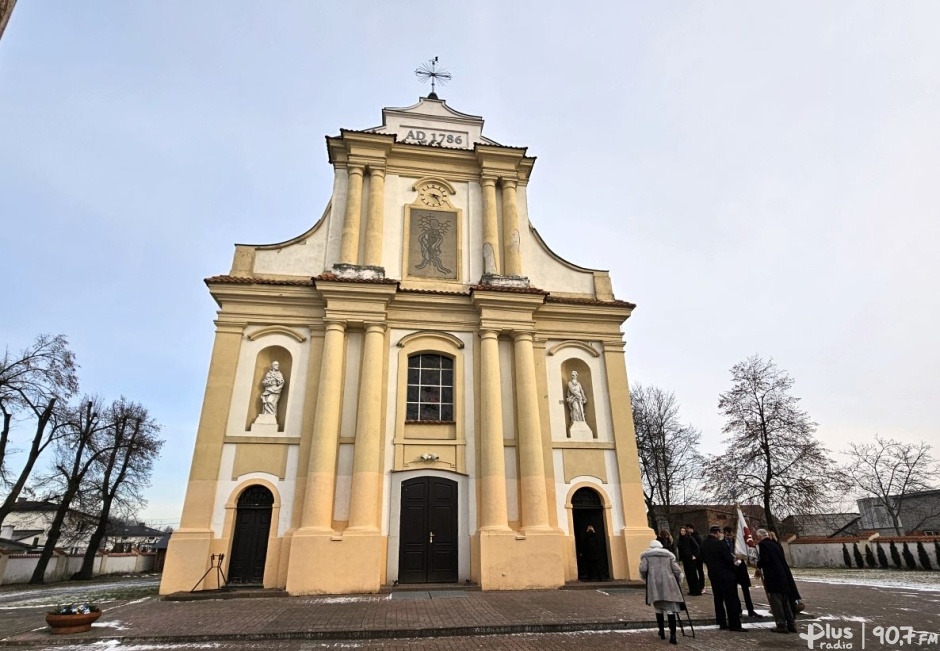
[(577, 401), (576, 398), (273, 384)]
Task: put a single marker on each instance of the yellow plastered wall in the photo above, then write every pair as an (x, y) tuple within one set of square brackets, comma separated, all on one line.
[(258, 457)]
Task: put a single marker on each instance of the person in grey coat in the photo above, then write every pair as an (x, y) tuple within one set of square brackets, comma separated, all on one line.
[(662, 575)]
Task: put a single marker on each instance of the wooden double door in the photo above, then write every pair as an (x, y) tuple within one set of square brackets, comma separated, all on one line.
[(250, 540), (427, 550)]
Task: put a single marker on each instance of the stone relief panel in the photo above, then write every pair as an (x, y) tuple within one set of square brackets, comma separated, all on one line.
[(432, 244)]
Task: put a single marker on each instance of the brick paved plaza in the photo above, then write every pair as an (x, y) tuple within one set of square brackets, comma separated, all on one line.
[(609, 617)]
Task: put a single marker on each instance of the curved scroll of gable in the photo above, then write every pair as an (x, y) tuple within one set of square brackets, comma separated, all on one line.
[(277, 330), (431, 334), (574, 344)]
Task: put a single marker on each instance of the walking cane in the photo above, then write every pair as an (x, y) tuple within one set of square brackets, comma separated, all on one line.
[(685, 607)]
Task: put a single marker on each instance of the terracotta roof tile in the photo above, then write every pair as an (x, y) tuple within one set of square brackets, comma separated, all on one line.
[(439, 292), (329, 277), (370, 131), (588, 301), (241, 280), (509, 290), (372, 281)]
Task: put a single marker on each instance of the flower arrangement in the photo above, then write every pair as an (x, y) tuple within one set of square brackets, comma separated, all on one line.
[(78, 608)]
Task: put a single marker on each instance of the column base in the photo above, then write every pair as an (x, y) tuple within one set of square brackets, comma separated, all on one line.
[(636, 540), (187, 559), (348, 271), (515, 561), (504, 281), (326, 563)]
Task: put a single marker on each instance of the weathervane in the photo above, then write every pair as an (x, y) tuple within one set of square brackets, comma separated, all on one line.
[(430, 71)]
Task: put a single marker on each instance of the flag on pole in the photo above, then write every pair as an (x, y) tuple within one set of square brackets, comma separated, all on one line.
[(744, 540)]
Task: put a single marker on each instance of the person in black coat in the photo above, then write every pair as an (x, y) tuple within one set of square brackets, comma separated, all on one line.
[(688, 551), (699, 565), (793, 595), (591, 546), (772, 568), (743, 577), (665, 539), (721, 565)]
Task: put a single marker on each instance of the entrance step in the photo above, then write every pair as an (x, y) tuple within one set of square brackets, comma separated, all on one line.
[(429, 587), (617, 584)]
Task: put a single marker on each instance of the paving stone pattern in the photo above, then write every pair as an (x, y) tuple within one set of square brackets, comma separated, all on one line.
[(609, 618)]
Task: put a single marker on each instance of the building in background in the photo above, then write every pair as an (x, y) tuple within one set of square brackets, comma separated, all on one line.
[(920, 514), (123, 537), (30, 521), (821, 525), (703, 516), (416, 389)]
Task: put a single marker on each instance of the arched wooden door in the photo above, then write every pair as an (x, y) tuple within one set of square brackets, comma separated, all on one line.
[(427, 550), (250, 541), (588, 509)]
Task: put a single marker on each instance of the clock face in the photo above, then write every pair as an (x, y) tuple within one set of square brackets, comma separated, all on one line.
[(433, 195)]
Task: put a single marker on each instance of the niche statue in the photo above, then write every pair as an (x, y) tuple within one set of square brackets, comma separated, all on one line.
[(577, 402), (576, 398), (273, 383)]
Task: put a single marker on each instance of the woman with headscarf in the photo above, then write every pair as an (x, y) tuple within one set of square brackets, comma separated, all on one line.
[(661, 573)]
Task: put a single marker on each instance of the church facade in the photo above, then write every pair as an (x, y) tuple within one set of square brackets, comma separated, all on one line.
[(415, 390)]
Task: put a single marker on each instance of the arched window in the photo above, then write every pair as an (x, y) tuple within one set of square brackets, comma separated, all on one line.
[(430, 389)]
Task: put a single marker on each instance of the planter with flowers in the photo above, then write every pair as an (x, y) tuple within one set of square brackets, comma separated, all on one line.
[(72, 618)]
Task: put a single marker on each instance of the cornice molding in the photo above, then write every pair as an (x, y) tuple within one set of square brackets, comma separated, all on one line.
[(276, 330), (574, 344), (431, 334)]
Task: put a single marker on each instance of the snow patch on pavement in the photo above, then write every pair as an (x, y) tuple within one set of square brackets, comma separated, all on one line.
[(105, 645), (349, 600), (840, 618)]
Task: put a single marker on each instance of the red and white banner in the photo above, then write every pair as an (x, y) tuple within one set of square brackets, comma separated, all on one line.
[(744, 540)]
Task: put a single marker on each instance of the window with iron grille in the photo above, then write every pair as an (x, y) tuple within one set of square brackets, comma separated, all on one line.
[(430, 389)]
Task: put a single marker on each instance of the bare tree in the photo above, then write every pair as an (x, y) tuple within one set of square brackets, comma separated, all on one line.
[(76, 451), (670, 464), (890, 471), (123, 471), (31, 385), (773, 457)]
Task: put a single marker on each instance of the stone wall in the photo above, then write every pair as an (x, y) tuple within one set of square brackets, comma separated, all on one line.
[(828, 552), (18, 568)]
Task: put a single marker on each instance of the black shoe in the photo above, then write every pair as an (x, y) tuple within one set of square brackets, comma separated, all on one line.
[(779, 630), (791, 629), (695, 594), (739, 629), (723, 627), (755, 615)]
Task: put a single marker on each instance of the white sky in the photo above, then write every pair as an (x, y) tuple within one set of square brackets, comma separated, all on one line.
[(759, 177)]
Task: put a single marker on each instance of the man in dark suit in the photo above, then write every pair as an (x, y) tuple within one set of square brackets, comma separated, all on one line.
[(721, 565), (699, 566)]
